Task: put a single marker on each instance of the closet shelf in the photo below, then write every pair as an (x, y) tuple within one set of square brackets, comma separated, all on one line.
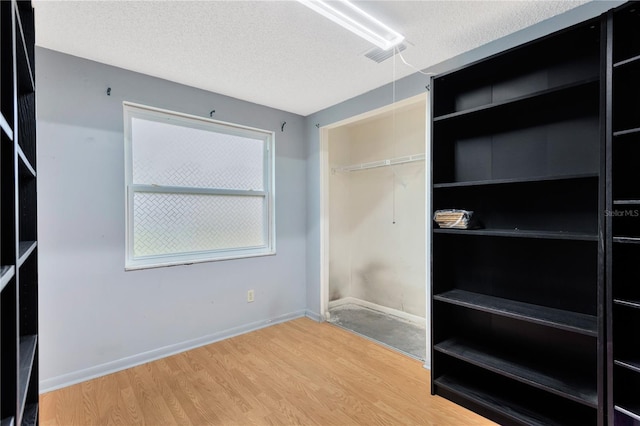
[(513, 180), (631, 364), (549, 235), (381, 163), (625, 202), (550, 317), (6, 273), (555, 380)]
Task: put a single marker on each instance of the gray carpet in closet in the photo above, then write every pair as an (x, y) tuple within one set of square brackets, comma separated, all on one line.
[(399, 334)]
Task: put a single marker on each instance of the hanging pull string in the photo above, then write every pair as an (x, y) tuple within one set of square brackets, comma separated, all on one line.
[(409, 65), (393, 169)]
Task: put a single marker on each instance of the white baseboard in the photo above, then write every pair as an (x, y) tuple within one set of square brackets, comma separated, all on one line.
[(374, 306), (64, 380)]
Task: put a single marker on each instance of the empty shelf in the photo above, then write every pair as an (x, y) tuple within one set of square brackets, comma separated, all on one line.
[(627, 303), (625, 202), (551, 317), (626, 240), (497, 403), (30, 417), (27, 356), (627, 61), (629, 363), (626, 132), (516, 233), (633, 412), (9, 421), (26, 165), (23, 61), (556, 380), (5, 127), (544, 96), (25, 248), (6, 273), (513, 181)]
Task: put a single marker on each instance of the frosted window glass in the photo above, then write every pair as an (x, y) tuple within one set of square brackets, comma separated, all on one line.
[(170, 155), (181, 223)]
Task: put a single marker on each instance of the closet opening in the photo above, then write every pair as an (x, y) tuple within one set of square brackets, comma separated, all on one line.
[(374, 225)]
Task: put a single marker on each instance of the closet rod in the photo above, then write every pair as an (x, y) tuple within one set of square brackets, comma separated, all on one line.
[(380, 163)]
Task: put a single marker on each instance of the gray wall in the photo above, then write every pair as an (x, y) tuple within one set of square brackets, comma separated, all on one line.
[(94, 316), (405, 88)]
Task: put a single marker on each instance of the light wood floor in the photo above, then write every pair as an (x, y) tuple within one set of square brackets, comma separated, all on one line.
[(296, 373)]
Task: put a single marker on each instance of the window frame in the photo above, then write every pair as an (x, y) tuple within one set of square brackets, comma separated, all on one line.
[(144, 112)]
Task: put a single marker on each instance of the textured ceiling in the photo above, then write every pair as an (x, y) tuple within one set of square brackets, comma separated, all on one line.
[(275, 53)]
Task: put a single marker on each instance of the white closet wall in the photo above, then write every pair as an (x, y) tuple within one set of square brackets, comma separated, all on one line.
[(377, 215), (339, 216)]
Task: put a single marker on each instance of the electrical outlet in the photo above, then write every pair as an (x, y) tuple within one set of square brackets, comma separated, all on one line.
[(250, 296)]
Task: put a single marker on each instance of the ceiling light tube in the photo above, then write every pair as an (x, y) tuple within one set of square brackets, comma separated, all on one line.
[(356, 20)]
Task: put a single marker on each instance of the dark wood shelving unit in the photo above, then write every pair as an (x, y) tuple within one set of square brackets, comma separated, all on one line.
[(518, 324), (623, 224), (18, 218)]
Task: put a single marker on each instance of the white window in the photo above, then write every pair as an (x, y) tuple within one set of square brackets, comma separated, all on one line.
[(197, 190)]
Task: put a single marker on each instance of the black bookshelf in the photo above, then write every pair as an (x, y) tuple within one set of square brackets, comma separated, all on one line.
[(509, 402), (518, 327), (623, 215), (18, 218), (521, 366)]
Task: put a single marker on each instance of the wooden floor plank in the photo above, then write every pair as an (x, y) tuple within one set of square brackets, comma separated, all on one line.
[(296, 373)]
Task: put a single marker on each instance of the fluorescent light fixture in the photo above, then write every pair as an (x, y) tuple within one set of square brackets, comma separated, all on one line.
[(356, 20)]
